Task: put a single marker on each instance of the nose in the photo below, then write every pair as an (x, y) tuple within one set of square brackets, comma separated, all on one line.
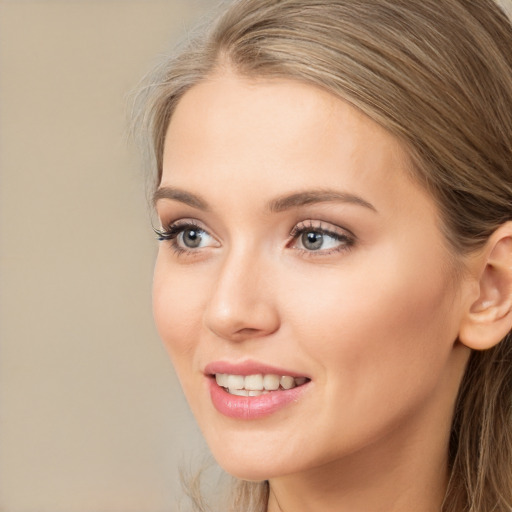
[(243, 302)]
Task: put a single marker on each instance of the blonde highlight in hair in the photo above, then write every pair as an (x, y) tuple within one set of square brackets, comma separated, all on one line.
[(438, 75)]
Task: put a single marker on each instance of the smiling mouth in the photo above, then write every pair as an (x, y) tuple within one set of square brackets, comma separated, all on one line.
[(257, 384)]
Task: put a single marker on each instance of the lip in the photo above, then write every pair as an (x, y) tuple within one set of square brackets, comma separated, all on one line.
[(248, 368), (251, 407)]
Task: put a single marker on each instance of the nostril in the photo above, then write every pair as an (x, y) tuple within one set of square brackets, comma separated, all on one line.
[(249, 331)]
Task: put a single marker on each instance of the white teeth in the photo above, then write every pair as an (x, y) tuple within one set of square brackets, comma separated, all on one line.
[(257, 384), (222, 379), (235, 382), (258, 393), (271, 382), (287, 382), (239, 392), (254, 382)]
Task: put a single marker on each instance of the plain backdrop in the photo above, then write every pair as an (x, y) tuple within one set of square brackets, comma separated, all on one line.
[(91, 415)]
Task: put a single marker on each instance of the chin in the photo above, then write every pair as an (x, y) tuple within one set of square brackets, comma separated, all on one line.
[(250, 464), (248, 473), (260, 460)]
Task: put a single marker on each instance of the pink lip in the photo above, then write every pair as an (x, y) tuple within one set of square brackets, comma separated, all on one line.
[(250, 407), (247, 368)]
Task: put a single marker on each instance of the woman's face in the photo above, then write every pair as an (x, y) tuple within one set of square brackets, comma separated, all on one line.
[(296, 246)]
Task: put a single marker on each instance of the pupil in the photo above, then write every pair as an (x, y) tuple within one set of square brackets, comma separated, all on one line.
[(312, 240), (191, 238)]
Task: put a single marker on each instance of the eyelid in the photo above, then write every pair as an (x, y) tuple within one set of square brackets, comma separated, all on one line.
[(174, 225), (319, 225)]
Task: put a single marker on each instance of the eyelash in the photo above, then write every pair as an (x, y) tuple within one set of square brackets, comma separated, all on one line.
[(171, 233)]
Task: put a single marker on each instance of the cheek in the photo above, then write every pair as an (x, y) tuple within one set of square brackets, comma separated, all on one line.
[(177, 311), (380, 326), (380, 342)]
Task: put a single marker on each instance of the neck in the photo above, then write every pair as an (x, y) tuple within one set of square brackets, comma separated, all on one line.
[(360, 487)]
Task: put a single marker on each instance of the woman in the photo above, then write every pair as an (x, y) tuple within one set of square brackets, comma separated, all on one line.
[(334, 280)]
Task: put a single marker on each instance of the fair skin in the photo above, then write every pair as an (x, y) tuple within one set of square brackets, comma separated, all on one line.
[(360, 298)]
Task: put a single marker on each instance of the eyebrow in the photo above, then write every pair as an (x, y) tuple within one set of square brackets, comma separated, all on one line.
[(279, 204), (182, 196), (298, 199)]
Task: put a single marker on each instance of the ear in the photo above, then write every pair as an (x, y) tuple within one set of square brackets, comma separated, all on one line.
[(489, 317)]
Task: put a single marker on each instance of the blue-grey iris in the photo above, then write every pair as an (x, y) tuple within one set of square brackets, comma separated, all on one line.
[(312, 240), (192, 238)]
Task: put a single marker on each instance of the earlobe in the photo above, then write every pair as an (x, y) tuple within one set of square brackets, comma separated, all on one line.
[(489, 316)]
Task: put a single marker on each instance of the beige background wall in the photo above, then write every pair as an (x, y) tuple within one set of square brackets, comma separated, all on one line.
[(91, 417)]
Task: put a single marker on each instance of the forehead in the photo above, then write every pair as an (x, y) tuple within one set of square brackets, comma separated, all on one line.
[(270, 134), (265, 106)]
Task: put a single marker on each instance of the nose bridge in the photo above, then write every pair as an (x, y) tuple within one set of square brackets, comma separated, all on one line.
[(241, 303)]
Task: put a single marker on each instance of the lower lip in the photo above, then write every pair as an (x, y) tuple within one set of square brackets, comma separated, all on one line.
[(252, 407)]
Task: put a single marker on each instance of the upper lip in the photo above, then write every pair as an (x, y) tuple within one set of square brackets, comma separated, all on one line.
[(248, 368)]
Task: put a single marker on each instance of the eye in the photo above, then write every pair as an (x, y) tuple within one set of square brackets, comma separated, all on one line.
[(315, 237), (186, 236), (192, 238)]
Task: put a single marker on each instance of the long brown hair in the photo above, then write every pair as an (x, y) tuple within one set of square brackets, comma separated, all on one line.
[(438, 75)]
